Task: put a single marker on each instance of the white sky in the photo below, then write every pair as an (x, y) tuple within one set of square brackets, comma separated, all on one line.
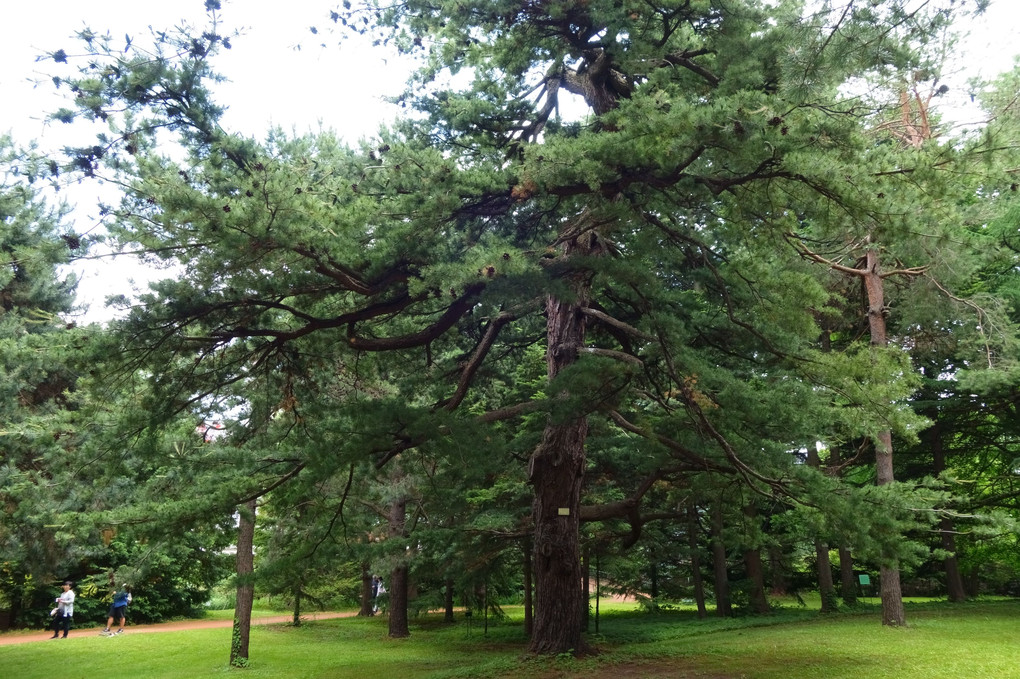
[(271, 83), (274, 84)]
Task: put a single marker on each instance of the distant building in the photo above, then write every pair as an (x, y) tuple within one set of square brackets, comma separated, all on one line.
[(211, 431)]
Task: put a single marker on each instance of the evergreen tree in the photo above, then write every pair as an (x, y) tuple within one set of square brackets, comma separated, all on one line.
[(640, 246), (37, 375)]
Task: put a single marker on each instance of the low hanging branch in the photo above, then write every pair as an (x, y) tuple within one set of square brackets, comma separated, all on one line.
[(478, 356), (694, 459)]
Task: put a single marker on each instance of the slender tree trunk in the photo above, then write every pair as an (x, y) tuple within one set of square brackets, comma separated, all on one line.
[(653, 577), (245, 566), (586, 588), (847, 579), (954, 580), (826, 589), (529, 610), (398, 586), (692, 544), (723, 607), (448, 601), (366, 591), (755, 572), (296, 617), (555, 471), (892, 595)]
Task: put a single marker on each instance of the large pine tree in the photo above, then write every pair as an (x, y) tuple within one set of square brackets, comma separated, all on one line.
[(639, 241)]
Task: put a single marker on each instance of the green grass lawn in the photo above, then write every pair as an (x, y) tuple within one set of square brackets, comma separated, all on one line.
[(942, 641)]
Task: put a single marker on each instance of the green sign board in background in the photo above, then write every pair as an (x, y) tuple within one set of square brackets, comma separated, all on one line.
[(865, 579)]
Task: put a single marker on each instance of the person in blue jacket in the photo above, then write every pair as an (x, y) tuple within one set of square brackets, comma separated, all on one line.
[(118, 610)]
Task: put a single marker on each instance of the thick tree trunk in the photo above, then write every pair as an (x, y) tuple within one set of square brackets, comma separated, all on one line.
[(723, 607), (555, 471), (893, 613), (245, 566), (366, 591), (892, 595), (397, 606), (692, 544), (398, 586)]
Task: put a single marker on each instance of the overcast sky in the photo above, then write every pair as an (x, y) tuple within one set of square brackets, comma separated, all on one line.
[(274, 83), (271, 82)]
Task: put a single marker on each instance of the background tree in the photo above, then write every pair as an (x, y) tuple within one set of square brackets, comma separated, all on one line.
[(38, 372)]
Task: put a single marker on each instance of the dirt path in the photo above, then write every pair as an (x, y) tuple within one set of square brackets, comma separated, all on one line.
[(7, 638)]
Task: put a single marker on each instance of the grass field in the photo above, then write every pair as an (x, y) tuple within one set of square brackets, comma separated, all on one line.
[(942, 641)]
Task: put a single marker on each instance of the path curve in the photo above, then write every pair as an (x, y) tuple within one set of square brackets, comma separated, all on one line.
[(23, 637)]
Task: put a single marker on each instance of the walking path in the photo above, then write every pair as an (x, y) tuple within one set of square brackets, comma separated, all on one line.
[(23, 637)]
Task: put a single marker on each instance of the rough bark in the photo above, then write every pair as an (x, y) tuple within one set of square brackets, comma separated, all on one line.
[(397, 588), (555, 471), (245, 567)]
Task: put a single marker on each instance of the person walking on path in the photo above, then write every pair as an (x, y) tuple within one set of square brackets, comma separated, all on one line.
[(378, 589), (118, 610), (64, 611)]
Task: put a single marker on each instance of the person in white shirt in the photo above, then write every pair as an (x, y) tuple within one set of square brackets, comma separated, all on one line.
[(64, 610)]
